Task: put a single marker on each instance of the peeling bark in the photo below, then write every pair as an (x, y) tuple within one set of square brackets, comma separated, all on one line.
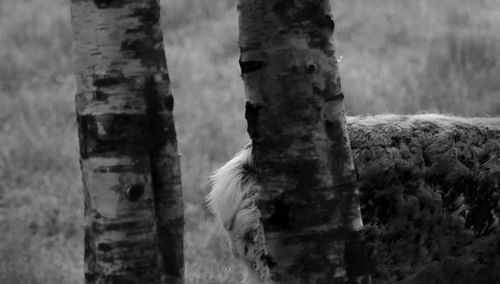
[(128, 147), (308, 204)]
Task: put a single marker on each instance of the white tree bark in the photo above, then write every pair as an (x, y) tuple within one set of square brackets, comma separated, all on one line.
[(129, 160), (306, 197)]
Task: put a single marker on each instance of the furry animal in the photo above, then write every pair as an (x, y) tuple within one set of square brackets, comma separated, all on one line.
[(407, 165), (232, 200)]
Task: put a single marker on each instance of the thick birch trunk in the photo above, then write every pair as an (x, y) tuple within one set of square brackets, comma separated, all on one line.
[(128, 147), (308, 203)]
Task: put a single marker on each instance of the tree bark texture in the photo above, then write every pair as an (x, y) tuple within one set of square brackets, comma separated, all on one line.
[(128, 147), (307, 197)]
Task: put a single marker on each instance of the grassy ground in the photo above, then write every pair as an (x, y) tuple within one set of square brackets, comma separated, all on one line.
[(400, 56)]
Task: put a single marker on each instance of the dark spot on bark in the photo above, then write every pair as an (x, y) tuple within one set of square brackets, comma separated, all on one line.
[(311, 10), (356, 256), (89, 251), (331, 87), (109, 81), (338, 97), (304, 171), (169, 103), (137, 167), (147, 44), (497, 243), (336, 84), (306, 174), (250, 66), (311, 68), (322, 42), (171, 235), (280, 215), (149, 16), (315, 15), (90, 277), (338, 152), (101, 4), (100, 96), (145, 49), (162, 127), (318, 91), (291, 13), (268, 260), (113, 134), (135, 192), (151, 96), (104, 247), (252, 117), (98, 228), (324, 22), (280, 7)]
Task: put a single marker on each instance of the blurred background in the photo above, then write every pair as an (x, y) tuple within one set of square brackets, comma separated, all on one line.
[(398, 56)]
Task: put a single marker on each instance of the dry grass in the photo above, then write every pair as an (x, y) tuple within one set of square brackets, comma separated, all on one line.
[(398, 56)]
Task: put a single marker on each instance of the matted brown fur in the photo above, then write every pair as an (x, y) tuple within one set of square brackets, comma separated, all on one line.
[(430, 188)]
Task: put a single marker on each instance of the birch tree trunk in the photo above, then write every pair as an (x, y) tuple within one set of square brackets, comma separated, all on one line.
[(308, 199), (128, 147)]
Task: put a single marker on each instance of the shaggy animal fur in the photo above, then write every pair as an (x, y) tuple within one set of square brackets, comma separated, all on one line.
[(430, 198), (232, 200)]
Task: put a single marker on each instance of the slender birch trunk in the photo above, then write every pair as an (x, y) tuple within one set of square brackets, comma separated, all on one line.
[(308, 201), (128, 147)]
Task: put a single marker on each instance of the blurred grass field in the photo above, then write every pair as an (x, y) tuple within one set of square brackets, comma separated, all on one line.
[(398, 56)]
